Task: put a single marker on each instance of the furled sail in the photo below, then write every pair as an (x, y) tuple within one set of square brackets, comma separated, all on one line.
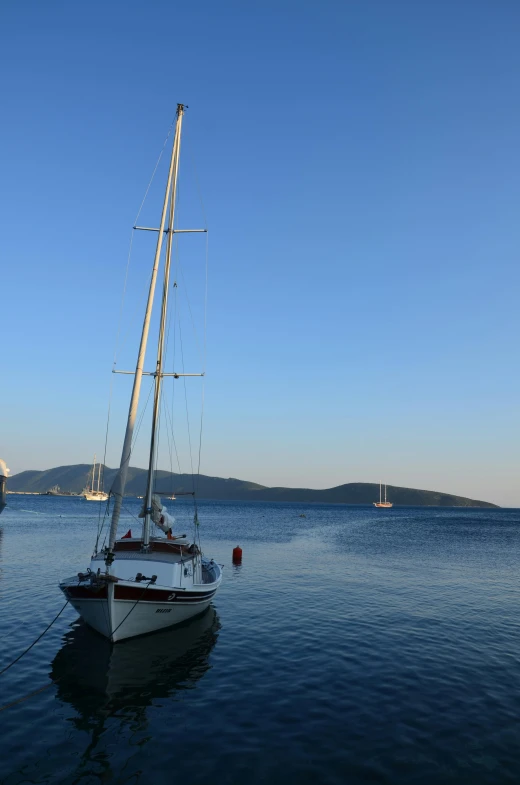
[(159, 515)]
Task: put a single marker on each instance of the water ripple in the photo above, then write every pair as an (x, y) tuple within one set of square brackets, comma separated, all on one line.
[(350, 646)]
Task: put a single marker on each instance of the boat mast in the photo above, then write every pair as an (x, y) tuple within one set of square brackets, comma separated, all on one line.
[(93, 481), (380, 493), (162, 330), (99, 477), (385, 492), (118, 488)]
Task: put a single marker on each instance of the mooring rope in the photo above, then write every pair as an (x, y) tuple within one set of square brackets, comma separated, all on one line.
[(34, 642), (132, 608)]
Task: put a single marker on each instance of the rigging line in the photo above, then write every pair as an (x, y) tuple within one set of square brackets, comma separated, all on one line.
[(185, 287), (105, 450), (200, 435), (168, 422), (156, 456), (131, 514), (106, 517), (116, 348), (26, 697), (187, 413), (205, 335), (123, 295), (191, 315), (173, 440), (199, 192), (167, 342), (164, 406), (175, 315), (154, 171), (204, 364), (34, 642), (132, 608), (140, 422), (138, 308)]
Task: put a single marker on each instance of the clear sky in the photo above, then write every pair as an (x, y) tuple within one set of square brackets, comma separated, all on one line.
[(359, 167)]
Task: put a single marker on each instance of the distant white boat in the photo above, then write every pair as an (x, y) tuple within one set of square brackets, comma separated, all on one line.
[(386, 504), (93, 494)]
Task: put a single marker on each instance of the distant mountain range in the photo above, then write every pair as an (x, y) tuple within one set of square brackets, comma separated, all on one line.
[(74, 479)]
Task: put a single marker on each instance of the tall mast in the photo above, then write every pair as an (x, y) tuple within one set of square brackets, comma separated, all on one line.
[(99, 476), (162, 330), (380, 493), (93, 481), (118, 488), (385, 492)]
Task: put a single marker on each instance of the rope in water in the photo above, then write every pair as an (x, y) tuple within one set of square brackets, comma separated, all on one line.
[(34, 642), (26, 697), (132, 608), (46, 686)]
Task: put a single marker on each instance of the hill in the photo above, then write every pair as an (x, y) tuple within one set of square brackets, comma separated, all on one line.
[(74, 479)]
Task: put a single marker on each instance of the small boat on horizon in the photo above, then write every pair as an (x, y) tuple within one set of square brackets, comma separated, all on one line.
[(56, 491), (385, 504)]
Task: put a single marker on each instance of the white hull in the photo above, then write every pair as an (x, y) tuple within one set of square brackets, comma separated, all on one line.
[(120, 619), (95, 496)]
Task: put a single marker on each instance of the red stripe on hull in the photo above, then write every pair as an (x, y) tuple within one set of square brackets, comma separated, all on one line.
[(159, 595), (84, 593)]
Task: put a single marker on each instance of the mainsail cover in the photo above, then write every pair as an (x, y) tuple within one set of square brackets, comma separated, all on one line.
[(159, 515)]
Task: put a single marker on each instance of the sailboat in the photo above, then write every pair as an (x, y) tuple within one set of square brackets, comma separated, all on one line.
[(382, 503), (93, 494), (138, 585)]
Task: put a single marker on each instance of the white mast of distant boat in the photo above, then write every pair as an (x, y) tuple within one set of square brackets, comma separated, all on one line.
[(118, 488), (382, 503), (93, 493)]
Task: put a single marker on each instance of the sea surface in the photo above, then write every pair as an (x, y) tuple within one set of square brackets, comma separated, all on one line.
[(353, 645)]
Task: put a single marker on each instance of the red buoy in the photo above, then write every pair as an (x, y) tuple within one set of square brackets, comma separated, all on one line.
[(237, 555)]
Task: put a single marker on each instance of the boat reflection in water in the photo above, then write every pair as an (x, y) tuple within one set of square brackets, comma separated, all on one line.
[(99, 679)]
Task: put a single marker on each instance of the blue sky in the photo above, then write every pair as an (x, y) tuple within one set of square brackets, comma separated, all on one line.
[(358, 164)]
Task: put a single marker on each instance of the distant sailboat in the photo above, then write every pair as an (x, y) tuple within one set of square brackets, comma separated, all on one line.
[(382, 503), (94, 494)]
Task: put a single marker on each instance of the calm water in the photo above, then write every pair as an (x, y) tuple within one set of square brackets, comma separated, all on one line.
[(352, 645)]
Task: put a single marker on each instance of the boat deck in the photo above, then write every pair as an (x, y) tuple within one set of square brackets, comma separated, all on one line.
[(159, 550)]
